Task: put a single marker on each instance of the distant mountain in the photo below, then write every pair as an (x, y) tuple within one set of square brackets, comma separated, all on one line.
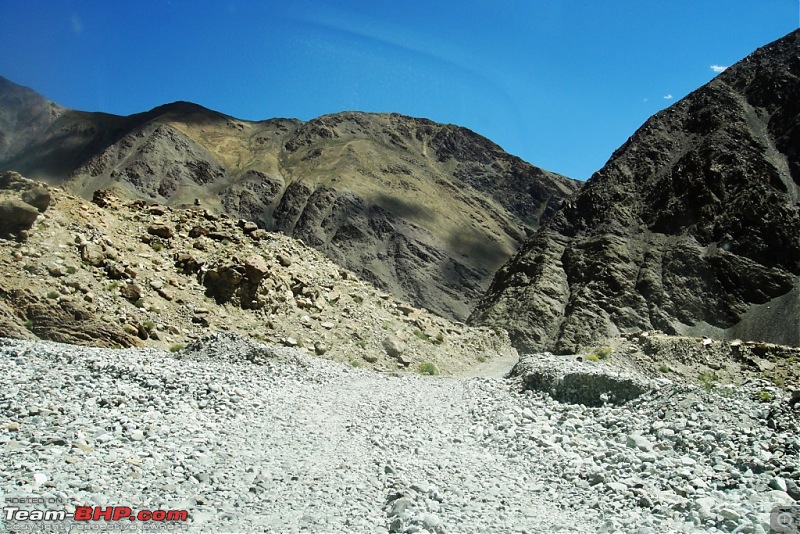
[(424, 210), (692, 227), (24, 115)]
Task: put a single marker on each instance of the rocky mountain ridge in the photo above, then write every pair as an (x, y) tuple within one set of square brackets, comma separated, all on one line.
[(424, 210), (691, 227)]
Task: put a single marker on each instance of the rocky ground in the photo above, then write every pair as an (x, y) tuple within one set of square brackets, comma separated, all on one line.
[(256, 438)]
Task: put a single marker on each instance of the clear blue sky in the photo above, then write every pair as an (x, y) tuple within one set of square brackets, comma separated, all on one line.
[(560, 83)]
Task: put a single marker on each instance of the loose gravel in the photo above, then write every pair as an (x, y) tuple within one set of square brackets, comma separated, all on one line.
[(251, 438)]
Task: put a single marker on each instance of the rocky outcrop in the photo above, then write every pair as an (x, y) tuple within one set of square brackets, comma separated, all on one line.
[(427, 211), (691, 227), (238, 283), (66, 321), (10, 324)]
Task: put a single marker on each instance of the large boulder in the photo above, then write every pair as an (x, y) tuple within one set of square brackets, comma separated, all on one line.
[(16, 215), (37, 196), (567, 379)]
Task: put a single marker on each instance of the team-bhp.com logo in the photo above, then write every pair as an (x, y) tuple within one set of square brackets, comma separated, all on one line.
[(118, 513), (86, 518)]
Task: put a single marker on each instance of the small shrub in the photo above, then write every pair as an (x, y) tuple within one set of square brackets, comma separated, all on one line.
[(176, 347), (603, 352), (139, 303), (707, 379), (71, 270), (420, 334), (361, 343), (481, 359), (428, 368), (158, 247), (52, 295), (764, 396), (355, 363), (29, 324), (112, 286), (149, 325), (664, 368), (593, 358)]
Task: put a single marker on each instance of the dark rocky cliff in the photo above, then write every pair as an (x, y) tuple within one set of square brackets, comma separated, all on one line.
[(691, 227)]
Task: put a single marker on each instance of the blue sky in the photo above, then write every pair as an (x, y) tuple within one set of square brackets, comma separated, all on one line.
[(560, 83)]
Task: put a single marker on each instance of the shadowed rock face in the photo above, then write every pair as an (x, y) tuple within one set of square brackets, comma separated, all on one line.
[(691, 227), (424, 210)]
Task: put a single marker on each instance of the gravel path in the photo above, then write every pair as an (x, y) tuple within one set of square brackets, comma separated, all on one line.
[(256, 439)]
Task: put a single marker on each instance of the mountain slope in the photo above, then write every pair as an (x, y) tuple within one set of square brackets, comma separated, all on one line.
[(691, 227), (425, 210), (123, 273)]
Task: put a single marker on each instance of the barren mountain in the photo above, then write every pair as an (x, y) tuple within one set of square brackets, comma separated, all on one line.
[(691, 227), (424, 210)]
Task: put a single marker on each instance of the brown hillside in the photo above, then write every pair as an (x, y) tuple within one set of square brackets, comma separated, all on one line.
[(424, 210)]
